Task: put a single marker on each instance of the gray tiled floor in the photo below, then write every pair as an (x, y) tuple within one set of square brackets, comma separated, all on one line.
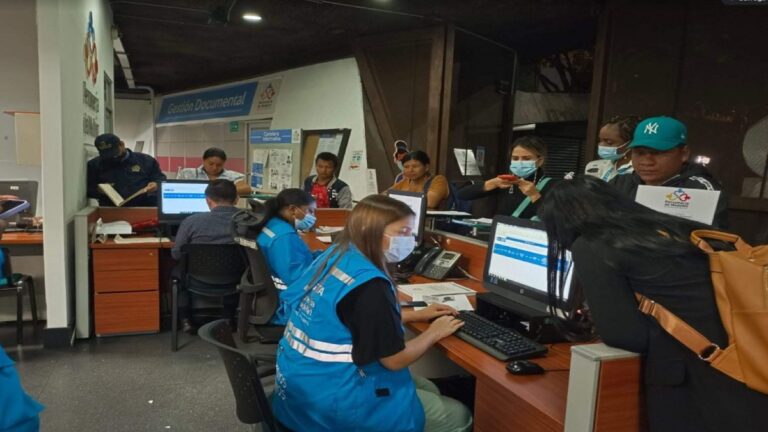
[(129, 383)]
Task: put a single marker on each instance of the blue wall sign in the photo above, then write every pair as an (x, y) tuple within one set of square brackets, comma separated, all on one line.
[(232, 101), (277, 136)]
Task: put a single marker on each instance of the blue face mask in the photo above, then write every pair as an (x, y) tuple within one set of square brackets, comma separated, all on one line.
[(306, 223), (522, 168), (610, 153)]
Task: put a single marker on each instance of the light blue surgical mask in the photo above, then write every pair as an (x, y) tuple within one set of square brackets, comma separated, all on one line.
[(610, 153), (306, 223), (523, 168), (399, 248)]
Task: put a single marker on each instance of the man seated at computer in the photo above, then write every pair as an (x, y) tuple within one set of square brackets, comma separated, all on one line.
[(208, 228), (327, 190), (213, 168), (128, 172)]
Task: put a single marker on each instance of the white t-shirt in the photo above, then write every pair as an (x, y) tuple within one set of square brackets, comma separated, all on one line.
[(606, 170), (200, 174)]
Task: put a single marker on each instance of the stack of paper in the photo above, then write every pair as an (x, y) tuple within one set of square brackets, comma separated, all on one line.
[(434, 289), (130, 240)]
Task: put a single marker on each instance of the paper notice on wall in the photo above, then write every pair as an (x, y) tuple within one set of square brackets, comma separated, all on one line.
[(327, 143), (280, 169), (467, 163), (372, 185), (356, 159), (258, 164), (480, 156)]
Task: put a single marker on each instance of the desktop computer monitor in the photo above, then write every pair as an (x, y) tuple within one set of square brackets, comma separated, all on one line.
[(181, 198), (516, 266), (417, 201), (25, 190)]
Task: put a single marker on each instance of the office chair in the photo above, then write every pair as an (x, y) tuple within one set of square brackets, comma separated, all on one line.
[(252, 403), (258, 295), (210, 270), (17, 282)]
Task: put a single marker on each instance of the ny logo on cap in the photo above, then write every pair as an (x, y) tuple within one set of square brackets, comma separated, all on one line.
[(651, 128)]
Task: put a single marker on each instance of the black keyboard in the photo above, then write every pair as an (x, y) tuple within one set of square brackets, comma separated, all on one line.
[(503, 343)]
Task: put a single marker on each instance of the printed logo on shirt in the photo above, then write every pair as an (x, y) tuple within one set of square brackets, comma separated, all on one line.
[(677, 199), (136, 168)]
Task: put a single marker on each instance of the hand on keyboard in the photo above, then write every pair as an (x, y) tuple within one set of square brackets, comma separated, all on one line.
[(445, 326)]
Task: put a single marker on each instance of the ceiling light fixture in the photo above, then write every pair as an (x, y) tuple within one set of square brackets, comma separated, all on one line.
[(252, 17)]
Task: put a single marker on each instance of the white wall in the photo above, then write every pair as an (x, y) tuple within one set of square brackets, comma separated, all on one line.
[(18, 82), (61, 35), (324, 96), (321, 96), (133, 122)]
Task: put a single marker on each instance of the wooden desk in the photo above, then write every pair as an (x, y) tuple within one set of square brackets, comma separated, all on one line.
[(22, 238), (505, 402), (124, 278)]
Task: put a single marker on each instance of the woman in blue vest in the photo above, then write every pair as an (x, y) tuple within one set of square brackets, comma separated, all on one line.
[(519, 198), (287, 254), (342, 363)]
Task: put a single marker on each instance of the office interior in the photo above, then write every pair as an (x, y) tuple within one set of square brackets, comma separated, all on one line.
[(446, 77)]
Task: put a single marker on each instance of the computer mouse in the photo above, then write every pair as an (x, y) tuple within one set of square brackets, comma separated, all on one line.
[(524, 367)]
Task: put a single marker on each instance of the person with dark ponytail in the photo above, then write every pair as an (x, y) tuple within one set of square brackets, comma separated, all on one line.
[(620, 248), (287, 254)]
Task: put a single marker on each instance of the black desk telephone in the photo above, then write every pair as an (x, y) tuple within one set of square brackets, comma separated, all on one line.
[(429, 261)]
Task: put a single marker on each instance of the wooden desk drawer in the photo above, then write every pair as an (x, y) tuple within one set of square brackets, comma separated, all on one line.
[(124, 259), (126, 280), (118, 313)]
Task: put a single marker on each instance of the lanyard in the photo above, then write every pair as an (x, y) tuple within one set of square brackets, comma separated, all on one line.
[(527, 201)]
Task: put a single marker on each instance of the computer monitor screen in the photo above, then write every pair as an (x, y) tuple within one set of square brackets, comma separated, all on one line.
[(418, 203), (181, 198), (24, 189), (516, 265)]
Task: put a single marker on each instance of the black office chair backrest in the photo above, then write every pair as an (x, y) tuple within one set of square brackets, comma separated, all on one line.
[(214, 264), (258, 280), (252, 406)]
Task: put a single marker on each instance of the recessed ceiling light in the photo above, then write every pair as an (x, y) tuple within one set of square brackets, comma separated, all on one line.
[(252, 17)]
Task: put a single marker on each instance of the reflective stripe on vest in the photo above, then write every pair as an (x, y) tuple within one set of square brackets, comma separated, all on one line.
[(268, 232), (316, 344), (343, 277), (306, 351)]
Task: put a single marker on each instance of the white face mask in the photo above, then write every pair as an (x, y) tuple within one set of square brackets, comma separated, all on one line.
[(399, 247)]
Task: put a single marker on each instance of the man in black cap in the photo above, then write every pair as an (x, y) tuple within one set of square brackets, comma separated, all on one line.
[(126, 171)]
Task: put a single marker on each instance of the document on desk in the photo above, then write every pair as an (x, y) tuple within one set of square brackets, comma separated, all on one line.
[(453, 213), (130, 240), (460, 302), (325, 239), (328, 229), (116, 227), (434, 289)]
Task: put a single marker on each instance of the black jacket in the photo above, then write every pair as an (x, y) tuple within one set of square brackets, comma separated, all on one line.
[(692, 176), (683, 393), (127, 177), (505, 201)]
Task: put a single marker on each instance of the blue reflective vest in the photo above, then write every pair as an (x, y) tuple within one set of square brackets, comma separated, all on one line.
[(287, 255), (18, 411), (317, 386)]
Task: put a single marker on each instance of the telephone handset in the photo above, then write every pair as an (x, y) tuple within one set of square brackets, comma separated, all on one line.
[(437, 263)]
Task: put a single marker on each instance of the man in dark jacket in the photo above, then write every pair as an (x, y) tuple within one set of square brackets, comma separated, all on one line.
[(126, 171), (660, 158)]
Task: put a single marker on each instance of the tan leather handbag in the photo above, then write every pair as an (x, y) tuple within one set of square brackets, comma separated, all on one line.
[(740, 280)]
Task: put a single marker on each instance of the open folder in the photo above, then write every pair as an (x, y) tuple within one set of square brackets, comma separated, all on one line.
[(115, 197)]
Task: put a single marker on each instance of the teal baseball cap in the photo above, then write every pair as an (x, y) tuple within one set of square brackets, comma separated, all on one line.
[(659, 133)]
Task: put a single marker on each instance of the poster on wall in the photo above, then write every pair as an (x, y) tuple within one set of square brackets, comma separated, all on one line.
[(280, 169), (372, 183), (258, 164), (356, 159)]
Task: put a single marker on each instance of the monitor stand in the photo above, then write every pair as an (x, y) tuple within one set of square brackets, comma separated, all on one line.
[(532, 323)]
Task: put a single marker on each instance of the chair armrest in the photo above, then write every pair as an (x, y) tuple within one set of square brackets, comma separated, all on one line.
[(252, 288)]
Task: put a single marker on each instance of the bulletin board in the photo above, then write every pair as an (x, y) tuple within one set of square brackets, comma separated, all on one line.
[(282, 158), (315, 142)]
